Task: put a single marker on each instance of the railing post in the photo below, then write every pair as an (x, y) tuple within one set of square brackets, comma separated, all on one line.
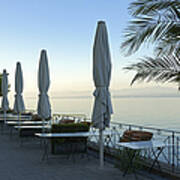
[(173, 151), (114, 139), (169, 150), (177, 151)]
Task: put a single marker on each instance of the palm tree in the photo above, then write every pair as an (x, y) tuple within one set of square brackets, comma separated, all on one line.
[(156, 22)]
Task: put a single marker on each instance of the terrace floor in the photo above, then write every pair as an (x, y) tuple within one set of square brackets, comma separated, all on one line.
[(24, 163)]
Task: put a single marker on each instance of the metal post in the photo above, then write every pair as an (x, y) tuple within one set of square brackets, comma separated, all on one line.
[(19, 122), (114, 134), (173, 151), (169, 150), (101, 148), (19, 119), (4, 122), (4, 117), (177, 151), (43, 129)]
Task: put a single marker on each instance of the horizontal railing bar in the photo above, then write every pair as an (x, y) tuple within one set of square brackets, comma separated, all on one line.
[(145, 127), (125, 124)]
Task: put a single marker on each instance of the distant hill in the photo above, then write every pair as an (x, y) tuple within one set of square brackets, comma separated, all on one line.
[(156, 91)]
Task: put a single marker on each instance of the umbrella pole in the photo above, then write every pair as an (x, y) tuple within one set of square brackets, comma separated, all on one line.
[(4, 122), (19, 118), (101, 151), (4, 117), (19, 124), (43, 130)]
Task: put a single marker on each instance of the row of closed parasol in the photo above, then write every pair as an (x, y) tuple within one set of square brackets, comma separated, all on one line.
[(101, 74)]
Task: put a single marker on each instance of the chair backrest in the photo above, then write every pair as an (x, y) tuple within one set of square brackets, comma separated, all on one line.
[(134, 135), (57, 117)]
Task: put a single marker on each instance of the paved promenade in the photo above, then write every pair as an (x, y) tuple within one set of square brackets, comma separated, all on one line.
[(23, 163)]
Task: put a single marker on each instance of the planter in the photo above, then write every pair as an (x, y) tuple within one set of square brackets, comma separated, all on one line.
[(69, 145)]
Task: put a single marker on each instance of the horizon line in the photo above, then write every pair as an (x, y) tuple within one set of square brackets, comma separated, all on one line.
[(115, 96)]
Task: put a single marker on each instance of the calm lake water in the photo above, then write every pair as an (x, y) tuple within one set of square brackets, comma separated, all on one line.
[(162, 112)]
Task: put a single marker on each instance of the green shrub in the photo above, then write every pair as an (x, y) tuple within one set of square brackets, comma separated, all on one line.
[(70, 127), (65, 142)]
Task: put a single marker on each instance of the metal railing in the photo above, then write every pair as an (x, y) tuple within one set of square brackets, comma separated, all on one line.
[(170, 156)]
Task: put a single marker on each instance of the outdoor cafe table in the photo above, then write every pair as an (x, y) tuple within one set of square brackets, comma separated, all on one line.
[(33, 127), (15, 116), (23, 123), (156, 146), (49, 136), (13, 123)]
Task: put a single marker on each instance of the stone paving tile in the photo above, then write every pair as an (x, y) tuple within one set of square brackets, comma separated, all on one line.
[(23, 163)]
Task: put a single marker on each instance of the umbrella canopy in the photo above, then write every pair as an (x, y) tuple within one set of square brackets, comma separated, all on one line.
[(44, 108), (19, 102), (4, 90), (101, 74)]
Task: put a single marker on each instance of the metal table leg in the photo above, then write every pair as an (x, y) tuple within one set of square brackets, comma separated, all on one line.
[(2, 128), (130, 163), (156, 155), (45, 153)]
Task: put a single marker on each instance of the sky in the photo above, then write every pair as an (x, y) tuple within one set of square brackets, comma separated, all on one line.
[(66, 29)]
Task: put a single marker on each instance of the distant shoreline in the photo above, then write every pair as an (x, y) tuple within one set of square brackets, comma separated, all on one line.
[(114, 97)]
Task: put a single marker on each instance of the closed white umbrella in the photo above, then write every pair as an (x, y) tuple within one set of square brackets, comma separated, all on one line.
[(44, 108), (4, 90), (19, 102), (102, 109)]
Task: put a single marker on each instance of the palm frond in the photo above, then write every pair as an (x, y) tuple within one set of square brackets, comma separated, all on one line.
[(168, 47), (155, 21), (165, 69), (176, 10), (148, 30), (149, 7)]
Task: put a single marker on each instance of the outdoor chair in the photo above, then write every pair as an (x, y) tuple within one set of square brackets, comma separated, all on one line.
[(134, 135)]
